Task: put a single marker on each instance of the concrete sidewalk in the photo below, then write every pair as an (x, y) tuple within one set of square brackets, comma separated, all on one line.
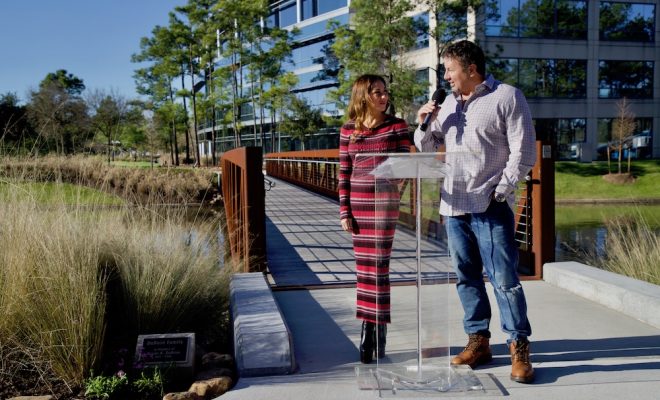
[(588, 341), (580, 349)]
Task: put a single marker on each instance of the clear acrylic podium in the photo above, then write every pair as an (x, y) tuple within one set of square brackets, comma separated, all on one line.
[(418, 350)]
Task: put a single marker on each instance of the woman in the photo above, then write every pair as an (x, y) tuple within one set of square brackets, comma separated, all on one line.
[(370, 129)]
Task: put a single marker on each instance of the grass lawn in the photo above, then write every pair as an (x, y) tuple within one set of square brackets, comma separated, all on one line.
[(596, 214), (59, 193), (575, 180), (135, 164)]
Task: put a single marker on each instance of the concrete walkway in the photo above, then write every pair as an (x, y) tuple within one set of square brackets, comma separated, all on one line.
[(582, 348)]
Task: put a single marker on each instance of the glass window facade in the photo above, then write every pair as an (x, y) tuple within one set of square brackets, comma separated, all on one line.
[(421, 24), (319, 29), (312, 8), (627, 21), (453, 24), (543, 78), (566, 131), (422, 76), (640, 145), (309, 55), (325, 6), (287, 14), (561, 19), (317, 98), (631, 79), (642, 126)]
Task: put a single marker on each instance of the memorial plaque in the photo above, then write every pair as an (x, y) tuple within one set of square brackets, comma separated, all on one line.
[(166, 350)]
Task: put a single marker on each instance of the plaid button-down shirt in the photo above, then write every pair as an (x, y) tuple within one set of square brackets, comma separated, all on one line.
[(490, 146)]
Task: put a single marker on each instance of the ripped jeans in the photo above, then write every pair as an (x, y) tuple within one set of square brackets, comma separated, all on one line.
[(485, 242)]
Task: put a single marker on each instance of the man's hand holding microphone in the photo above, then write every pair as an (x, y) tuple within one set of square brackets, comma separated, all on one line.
[(427, 113)]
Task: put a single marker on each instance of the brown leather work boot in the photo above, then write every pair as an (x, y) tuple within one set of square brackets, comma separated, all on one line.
[(521, 367), (476, 352)]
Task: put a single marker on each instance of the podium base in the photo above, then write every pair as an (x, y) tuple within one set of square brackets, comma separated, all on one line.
[(407, 381)]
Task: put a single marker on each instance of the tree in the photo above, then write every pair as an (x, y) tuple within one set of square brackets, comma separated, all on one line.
[(276, 98), (165, 67), (58, 114), (301, 120), (267, 55), (15, 130), (109, 111), (238, 29), (73, 85), (132, 132), (186, 52), (382, 38), (622, 129), (198, 37)]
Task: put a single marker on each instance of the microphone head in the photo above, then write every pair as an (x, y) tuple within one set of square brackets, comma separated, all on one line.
[(439, 96)]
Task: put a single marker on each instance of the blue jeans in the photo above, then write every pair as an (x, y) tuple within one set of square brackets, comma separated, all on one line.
[(485, 241)]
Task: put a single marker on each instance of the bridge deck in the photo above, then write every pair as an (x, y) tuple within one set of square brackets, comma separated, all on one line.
[(307, 247)]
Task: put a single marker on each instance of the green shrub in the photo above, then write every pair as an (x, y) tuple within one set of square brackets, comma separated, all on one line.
[(107, 387), (120, 387), (148, 386)]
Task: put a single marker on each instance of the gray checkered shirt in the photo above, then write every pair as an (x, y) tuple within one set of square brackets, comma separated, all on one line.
[(490, 146)]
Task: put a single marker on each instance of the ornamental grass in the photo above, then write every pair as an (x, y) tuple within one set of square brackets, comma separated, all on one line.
[(633, 249), (80, 279)]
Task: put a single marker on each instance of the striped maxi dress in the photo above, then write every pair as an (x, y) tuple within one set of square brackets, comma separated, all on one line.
[(373, 228)]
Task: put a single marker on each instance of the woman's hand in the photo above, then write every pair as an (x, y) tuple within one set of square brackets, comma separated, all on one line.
[(347, 224)]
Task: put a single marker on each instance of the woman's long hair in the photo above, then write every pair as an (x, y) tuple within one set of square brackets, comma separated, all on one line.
[(358, 106)]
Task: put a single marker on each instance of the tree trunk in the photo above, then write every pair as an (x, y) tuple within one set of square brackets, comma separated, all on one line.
[(273, 126), (175, 142), (261, 117), (185, 111), (210, 88), (234, 89), (194, 105), (109, 145), (172, 147)]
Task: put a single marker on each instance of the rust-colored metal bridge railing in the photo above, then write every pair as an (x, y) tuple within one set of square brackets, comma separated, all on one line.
[(316, 170), (244, 201), (535, 223)]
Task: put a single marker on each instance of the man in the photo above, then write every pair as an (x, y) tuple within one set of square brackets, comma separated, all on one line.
[(487, 129)]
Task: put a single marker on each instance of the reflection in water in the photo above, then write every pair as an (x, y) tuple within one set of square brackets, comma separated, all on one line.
[(580, 243), (581, 231)]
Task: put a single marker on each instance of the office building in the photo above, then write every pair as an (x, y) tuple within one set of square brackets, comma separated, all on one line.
[(574, 60)]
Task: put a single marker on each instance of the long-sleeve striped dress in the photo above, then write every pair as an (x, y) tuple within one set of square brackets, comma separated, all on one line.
[(374, 214)]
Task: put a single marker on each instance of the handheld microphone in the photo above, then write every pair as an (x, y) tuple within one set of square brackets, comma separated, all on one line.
[(438, 97)]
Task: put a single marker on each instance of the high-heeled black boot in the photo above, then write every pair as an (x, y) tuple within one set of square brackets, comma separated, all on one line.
[(381, 332), (367, 343)]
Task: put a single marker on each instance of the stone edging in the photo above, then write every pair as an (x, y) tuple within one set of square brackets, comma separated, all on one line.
[(262, 341), (638, 299)]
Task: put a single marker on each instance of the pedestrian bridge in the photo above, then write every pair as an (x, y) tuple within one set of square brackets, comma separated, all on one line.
[(291, 229), (306, 246)]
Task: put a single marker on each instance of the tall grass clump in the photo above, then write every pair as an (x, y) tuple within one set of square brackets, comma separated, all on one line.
[(167, 276), (142, 186), (633, 249), (53, 286), (79, 280)]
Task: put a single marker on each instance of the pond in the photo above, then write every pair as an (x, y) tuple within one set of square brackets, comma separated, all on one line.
[(581, 231)]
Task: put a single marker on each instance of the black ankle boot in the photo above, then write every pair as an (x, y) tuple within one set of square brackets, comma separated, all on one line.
[(381, 339), (367, 343)]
